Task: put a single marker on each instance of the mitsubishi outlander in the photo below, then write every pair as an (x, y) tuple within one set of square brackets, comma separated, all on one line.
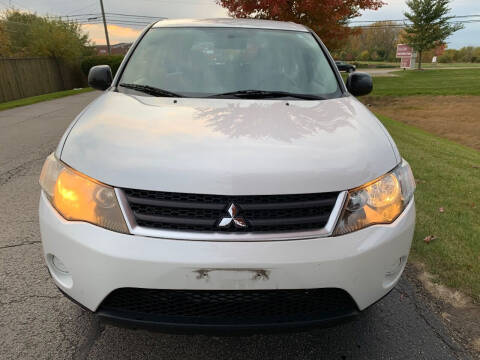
[(226, 178)]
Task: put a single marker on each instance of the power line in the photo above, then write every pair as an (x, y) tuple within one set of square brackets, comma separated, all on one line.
[(109, 18), (186, 2), (132, 26), (117, 15), (384, 24), (99, 21), (143, 20), (92, 4), (406, 20), (75, 15), (118, 18), (110, 13), (114, 18), (139, 16)]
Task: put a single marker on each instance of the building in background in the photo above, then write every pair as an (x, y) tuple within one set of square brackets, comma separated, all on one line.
[(117, 49)]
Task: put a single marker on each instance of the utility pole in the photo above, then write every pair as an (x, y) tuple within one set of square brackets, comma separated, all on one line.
[(105, 26)]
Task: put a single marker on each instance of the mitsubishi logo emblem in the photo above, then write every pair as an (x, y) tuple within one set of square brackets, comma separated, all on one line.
[(238, 221)]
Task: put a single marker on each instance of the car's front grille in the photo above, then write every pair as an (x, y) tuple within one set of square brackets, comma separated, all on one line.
[(262, 213), (238, 307)]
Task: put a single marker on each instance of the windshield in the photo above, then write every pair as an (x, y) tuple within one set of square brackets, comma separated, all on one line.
[(203, 62)]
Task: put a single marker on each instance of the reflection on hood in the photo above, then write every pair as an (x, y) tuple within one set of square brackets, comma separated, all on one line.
[(260, 121)]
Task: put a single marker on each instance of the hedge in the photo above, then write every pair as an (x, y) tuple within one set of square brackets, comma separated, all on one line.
[(113, 60), (379, 65)]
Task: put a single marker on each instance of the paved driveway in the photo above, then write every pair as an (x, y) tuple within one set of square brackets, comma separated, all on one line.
[(36, 322)]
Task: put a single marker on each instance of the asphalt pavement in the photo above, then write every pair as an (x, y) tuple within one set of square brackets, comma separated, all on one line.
[(37, 322)]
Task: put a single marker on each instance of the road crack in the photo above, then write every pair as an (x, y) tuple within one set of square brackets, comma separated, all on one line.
[(30, 118), (8, 175), (81, 353), (18, 245)]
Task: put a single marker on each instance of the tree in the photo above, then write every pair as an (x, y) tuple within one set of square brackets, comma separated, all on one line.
[(58, 39), (467, 54), (378, 40), (382, 37), (17, 25), (430, 25), (4, 41), (328, 18), (33, 35)]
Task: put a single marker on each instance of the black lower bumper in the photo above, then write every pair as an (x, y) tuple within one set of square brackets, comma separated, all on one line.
[(170, 326), (227, 311)]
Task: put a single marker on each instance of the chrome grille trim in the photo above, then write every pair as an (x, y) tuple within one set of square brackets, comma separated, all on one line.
[(135, 229)]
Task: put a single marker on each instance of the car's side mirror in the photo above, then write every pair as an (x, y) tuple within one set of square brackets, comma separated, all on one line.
[(359, 84), (100, 77)]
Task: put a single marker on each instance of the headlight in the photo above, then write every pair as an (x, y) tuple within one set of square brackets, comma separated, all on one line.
[(378, 202), (79, 198)]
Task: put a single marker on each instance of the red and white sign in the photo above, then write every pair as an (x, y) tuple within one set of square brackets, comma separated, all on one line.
[(405, 62), (404, 51)]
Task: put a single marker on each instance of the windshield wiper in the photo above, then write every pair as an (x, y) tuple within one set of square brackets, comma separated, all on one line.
[(266, 94), (151, 90)]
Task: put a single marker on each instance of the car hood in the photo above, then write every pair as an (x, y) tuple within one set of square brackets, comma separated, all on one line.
[(229, 147)]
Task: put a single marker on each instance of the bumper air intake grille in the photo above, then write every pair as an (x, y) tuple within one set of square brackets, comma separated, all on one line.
[(228, 307)]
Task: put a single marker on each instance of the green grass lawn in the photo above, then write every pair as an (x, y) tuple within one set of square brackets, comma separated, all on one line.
[(448, 177), (425, 65), (429, 82), (39, 98)]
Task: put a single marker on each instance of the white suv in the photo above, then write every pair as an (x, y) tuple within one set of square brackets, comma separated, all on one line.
[(226, 179)]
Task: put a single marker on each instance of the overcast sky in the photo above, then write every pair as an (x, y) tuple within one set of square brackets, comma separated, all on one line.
[(207, 8)]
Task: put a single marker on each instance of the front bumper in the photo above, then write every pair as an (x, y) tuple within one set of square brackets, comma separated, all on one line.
[(366, 264)]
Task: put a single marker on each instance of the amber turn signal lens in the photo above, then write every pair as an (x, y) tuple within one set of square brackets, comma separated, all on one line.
[(378, 202), (80, 198), (74, 197)]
